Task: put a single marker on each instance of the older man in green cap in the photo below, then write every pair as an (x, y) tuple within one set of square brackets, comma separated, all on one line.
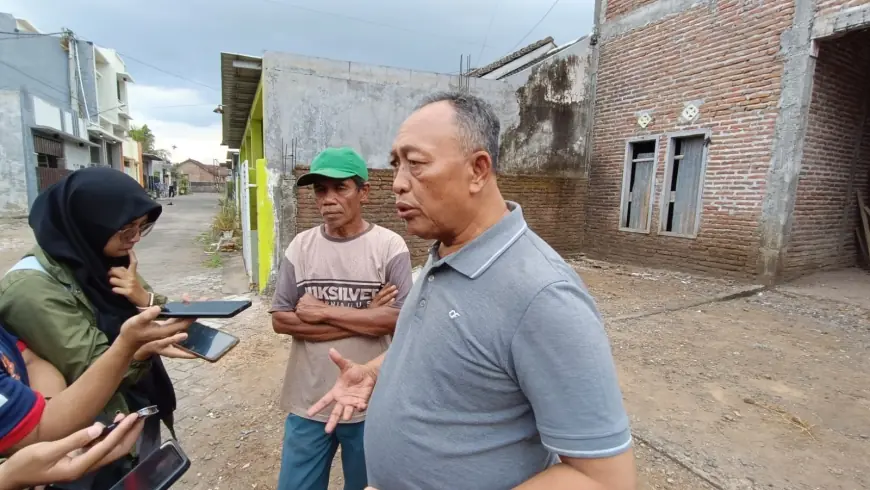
[(340, 285)]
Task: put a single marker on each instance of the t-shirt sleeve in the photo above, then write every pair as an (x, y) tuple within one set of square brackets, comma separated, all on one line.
[(20, 411), (398, 271), (562, 361), (286, 291)]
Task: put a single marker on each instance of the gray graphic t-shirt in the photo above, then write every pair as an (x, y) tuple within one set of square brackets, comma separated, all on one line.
[(347, 273)]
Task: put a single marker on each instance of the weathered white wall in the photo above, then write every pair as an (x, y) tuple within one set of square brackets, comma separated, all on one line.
[(13, 182), (323, 103), (555, 109)]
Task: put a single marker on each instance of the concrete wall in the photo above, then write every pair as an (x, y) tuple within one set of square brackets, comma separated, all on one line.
[(76, 156), (555, 101), (13, 182), (323, 103), (836, 160), (41, 65)]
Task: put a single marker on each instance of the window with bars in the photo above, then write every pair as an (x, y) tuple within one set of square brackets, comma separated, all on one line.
[(684, 180), (637, 185)]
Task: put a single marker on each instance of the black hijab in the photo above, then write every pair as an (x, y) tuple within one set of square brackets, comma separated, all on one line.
[(72, 221)]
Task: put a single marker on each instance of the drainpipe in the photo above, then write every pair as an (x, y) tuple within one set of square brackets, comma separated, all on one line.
[(81, 83)]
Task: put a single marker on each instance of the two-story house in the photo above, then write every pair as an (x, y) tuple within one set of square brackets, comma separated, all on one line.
[(63, 106)]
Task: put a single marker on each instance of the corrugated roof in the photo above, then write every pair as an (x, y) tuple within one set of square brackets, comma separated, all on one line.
[(542, 58), (479, 72), (240, 76)]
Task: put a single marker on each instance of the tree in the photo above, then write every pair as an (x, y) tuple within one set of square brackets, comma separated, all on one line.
[(143, 135)]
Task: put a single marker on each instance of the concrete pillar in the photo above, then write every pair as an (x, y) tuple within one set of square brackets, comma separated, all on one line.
[(796, 46)]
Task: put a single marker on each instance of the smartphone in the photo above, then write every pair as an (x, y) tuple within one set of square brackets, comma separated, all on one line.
[(204, 309), (206, 342), (158, 471), (143, 413)]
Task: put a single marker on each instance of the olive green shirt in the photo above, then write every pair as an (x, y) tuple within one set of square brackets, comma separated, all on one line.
[(49, 312)]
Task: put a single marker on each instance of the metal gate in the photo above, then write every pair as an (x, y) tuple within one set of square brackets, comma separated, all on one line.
[(245, 211)]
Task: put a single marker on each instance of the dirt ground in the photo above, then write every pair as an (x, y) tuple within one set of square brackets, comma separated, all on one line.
[(771, 390)]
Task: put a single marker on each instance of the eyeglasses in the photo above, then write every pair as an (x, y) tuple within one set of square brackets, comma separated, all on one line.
[(129, 234)]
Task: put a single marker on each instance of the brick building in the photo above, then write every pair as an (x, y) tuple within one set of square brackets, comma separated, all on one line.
[(729, 136), (202, 177)]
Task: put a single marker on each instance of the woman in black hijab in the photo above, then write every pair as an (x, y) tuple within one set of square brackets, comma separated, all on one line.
[(68, 298)]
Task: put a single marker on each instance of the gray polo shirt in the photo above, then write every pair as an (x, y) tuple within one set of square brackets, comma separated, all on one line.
[(499, 363)]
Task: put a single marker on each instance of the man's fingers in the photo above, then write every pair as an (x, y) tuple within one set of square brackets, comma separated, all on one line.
[(174, 326), (321, 404), (134, 263), (334, 417), (117, 281), (347, 413), (121, 291), (339, 361)]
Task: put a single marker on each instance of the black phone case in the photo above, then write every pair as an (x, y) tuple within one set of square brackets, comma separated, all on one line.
[(230, 314), (166, 484)]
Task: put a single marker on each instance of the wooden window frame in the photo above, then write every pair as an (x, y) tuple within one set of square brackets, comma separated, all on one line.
[(626, 180), (664, 199)]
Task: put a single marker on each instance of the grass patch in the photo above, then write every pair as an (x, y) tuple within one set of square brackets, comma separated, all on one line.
[(213, 261)]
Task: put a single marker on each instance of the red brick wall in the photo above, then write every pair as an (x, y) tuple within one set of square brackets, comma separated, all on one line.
[(727, 56), (825, 213), (616, 8), (824, 7), (553, 206)]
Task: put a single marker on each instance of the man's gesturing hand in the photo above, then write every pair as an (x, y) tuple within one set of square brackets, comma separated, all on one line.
[(351, 391), (67, 459)]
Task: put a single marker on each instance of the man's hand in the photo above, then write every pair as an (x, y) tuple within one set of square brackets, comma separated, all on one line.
[(351, 391), (125, 282), (385, 297), (311, 310), (67, 459)]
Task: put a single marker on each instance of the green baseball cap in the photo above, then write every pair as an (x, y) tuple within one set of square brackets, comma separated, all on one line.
[(335, 163)]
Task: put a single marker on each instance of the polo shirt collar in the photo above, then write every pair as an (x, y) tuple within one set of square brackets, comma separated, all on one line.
[(475, 258)]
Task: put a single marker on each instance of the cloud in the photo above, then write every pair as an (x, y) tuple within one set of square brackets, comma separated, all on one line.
[(180, 117)]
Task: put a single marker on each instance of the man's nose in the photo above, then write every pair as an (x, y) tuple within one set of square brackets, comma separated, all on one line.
[(401, 183)]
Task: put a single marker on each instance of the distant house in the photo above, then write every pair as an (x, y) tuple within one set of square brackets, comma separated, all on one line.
[(202, 177)]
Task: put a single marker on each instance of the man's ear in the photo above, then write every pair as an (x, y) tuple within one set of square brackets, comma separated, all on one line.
[(364, 192), (481, 170)]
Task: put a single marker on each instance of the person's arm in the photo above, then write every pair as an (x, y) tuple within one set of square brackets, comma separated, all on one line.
[(369, 322), (561, 359), (80, 403), (44, 377), (285, 321), (288, 323), (52, 323)]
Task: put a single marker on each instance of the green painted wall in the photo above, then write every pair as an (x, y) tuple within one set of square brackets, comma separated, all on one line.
[(265, 226)]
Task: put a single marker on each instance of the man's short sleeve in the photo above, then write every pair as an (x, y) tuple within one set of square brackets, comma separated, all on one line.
[(286, 291), (398, 270), (562, 361)]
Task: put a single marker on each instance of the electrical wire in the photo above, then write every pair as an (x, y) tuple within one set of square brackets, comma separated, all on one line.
[(19, 70), (176, 75), (534, 26), (32, 34), (488, 27)]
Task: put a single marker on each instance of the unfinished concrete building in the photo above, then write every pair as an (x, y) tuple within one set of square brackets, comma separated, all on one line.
[(730, 136)]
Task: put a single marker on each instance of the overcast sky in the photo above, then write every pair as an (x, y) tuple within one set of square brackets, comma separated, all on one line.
[(172, 47)]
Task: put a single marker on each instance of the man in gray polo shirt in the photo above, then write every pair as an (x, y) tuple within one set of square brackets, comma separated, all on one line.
[(500, 373)]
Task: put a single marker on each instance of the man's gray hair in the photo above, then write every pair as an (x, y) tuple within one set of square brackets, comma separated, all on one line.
[(478, 124)]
